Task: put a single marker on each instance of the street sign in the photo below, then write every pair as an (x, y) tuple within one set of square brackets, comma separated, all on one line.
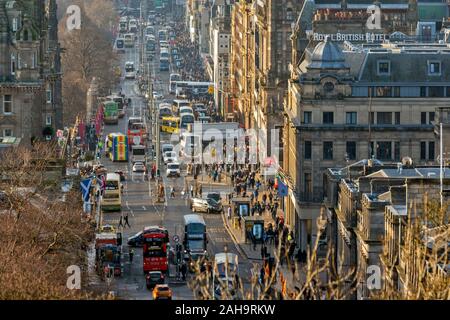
[(176, 238)]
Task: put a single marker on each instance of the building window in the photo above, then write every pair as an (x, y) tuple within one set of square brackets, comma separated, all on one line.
[(384, 91), (13, 64), (308, 186), (351, 150), (436, 92), (15, 24), (289, 14), (48, 120), (423, 91), (397, 118), (431, 154), (384, 68), (423, 118), (327, 150), (434, 68), (431, 117), (7, 132), (384, 150), (307, 117), (350, 118), (308, 150), (396, 91), (328, 118), (384, 117), (7, 104), (372, 117), (397, 150), (49, 95), (423, 150)]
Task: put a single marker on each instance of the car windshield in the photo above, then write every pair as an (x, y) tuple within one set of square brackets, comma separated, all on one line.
[(173, 166)]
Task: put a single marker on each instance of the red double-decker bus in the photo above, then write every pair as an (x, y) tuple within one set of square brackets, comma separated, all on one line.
[(136, 131), (155, 254)]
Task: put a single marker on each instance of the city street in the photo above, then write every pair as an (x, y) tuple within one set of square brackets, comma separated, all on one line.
[(139, 202)]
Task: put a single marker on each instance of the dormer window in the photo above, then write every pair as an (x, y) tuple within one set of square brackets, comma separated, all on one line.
[(383, 68), (434, 68)]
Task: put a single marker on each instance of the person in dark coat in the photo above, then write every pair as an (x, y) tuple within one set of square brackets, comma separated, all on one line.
[(183, 271)]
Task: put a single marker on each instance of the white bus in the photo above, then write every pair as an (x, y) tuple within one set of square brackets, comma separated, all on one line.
[(177, 104), (129, 40), (174, 77), (162, 35), (190, 147), (164, 53), (112, 198), (186, 119), (132, 26), (130, 72)]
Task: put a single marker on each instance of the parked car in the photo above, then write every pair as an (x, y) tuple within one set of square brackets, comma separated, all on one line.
[(153, 278), (162, 291), (173, 169), (206, 205), (137, 240)]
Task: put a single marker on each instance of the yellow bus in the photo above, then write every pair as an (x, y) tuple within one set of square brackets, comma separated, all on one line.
[(170, 124), (112, 197)]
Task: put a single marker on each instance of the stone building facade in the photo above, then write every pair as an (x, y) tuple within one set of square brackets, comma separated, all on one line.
[(358, 101), (262, 40), (367, 218), (30, 70), (220, 47)]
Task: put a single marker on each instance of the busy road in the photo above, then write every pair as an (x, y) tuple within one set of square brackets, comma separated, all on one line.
[(139, 199)]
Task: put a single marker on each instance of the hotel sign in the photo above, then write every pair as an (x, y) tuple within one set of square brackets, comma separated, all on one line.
[(367, 37)]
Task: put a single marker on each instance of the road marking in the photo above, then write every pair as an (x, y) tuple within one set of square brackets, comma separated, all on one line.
[(143, 207)]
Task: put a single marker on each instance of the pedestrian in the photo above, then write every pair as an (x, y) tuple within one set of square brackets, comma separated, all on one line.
[(263, 251), (131, 254), (120, 222), (183, 271), (192, 191), (126, 221), (261, 276), (229, 213), (200, 189)]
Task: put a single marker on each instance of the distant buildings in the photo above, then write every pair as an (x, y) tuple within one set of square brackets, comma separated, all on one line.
[(369, 225), (30, 70), (260, 50), (220, 48), (348, 102)]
